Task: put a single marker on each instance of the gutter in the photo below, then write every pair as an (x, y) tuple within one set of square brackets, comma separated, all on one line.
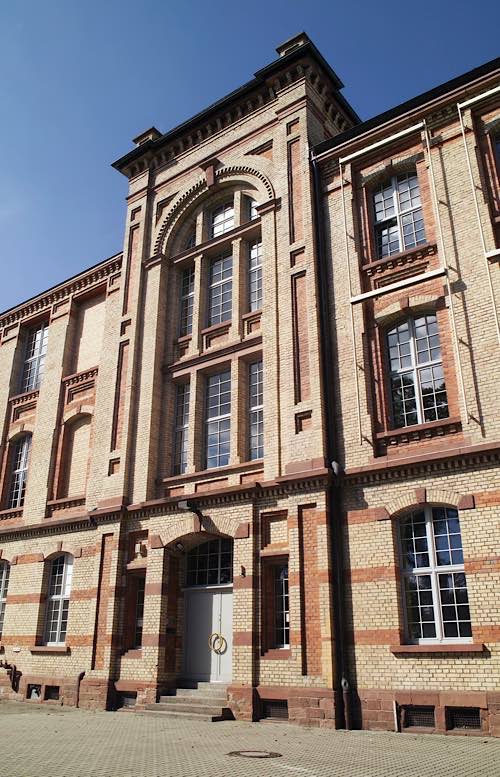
[(334, 494)]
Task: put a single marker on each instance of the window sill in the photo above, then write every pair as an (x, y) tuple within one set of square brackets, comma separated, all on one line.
[(277, 654), (133, 653), (213, 328), (12, 512), (401, 258), (394, 437), (56, 649), (442, 647)]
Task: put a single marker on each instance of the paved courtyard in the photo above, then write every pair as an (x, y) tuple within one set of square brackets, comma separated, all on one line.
[(38, 741)]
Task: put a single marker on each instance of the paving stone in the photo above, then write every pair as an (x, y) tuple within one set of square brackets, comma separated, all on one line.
[(62, 742)]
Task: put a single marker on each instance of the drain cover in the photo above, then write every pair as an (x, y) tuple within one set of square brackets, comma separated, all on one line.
[(255, 754)]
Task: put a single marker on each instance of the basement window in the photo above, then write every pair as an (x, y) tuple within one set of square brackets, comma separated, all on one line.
[(51, 693), (34, 692), (275, 709), (127, 699), (418, 716), (463, 718)]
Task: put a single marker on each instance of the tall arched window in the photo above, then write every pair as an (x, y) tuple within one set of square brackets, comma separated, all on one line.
[(4, 585), (19, 471), (59, 590), (418, 390), (435, 587)]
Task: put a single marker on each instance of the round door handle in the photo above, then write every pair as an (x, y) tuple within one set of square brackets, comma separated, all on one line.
[(217, 643)]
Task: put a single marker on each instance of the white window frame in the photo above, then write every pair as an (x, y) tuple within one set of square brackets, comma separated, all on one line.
[(414, 370), (255, 276), (218, 289), (218, 423), (187, 301), (397, 216), (139, 612), (19, 471), (222, 219), (252, 209), (34, 357), (182, 400), (281, 593), (433, 571), (256, 410), (4, 587), (56, 602)]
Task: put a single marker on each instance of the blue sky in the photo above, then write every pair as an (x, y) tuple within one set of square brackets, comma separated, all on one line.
[(80, 78)]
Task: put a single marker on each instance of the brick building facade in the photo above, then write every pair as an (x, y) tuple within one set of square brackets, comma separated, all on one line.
[(259, 447)]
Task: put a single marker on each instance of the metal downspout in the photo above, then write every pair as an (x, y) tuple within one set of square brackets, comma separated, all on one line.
[(334, 492)]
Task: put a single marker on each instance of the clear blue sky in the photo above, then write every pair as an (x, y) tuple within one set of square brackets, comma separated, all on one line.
[(80, 78)]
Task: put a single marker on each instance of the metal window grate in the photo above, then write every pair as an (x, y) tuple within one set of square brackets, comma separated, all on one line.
[(418, 716), (463, 717), (51, 693), (275, 709)]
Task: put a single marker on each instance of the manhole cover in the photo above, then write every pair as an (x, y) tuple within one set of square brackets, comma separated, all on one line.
[(255, 754)]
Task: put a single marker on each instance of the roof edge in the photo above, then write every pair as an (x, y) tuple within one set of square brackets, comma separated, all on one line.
[(412, 104)]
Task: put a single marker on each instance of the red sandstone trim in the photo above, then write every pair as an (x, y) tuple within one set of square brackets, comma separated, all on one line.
[(470, 647)]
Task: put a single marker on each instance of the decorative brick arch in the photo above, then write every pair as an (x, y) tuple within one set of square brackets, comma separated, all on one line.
[(18, 430), (233, 173), (393, 310), (73, 413), (190, 524), (413, 499)]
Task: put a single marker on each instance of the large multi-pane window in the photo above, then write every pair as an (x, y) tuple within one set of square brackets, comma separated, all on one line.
[(139, 611), (187, 301), (222, 219), (4, 586), (281, 607), (418, 389), (19, 471), (218, 419), (36, 348), (181, 428), (256, 410), (210, 563), (255, 276), (435, 587), (399, 222), (56, 622), (220, 290)]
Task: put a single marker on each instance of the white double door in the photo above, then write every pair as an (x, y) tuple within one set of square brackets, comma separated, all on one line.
[(208, 636)]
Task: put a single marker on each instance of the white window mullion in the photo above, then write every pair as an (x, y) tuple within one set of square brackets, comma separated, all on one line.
[(436, 599)]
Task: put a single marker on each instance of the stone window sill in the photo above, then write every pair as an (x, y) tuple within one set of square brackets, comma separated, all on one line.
[(402, 257), (56, 649), (277, 654), (394, 437), (466, 647)]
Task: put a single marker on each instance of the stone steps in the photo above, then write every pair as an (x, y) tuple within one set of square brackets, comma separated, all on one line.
[(198, 701)]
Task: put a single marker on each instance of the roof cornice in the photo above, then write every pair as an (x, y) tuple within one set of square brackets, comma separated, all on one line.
[(261, 89)]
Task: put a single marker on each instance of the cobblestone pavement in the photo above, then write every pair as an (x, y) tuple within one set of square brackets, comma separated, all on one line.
[(37, 741)]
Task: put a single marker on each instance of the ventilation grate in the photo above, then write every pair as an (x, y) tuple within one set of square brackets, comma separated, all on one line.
[(464, 717), (278, 710), (34, 691), (420, 716)]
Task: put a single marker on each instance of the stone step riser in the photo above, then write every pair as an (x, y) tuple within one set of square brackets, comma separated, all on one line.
[(183, 715), (202, 698), (199, 709)]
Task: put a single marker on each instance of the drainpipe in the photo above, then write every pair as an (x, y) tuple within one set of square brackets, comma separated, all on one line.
[(334, 488), (78, 683)]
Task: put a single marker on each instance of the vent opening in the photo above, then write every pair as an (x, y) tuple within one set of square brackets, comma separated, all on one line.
[(463, 718), (127, 699), (420, 716), (274, 708), (51, 693)]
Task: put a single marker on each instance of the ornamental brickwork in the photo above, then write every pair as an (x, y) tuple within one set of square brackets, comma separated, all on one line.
[(251, 237)]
